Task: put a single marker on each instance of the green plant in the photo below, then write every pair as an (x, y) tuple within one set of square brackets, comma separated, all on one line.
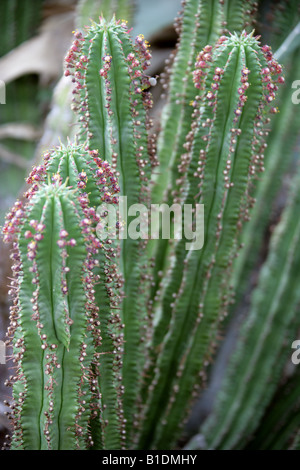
[(255, 367), (224, 153), (123, 333)]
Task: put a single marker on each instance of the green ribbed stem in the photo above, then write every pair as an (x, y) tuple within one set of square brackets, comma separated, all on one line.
[(112, 108), (79, 168), (87, 9), (222, 147), (281, 419), (53, 308), (264, 342), (282, 141), (209, 20)]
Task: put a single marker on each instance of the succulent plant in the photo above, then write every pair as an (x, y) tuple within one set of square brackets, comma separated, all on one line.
[(261, 353), (225, 148), (113, 336)]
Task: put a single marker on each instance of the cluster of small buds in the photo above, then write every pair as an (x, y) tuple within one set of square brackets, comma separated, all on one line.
[(88, 227), (82, 180), (124, 24), (106, 177), (211, 95), (14, 414), (75, 66), (201, 66), (147, 100), (37, 175), (134, 64), (106, 66), (14, 220), (141, 83), (142, 47), (221, 41), (242, 93), (38, 236), (83, 352), (92, 310), (267, 52), (51, 364), (56, 178), (31, 191), (35, 235), (152, 150), (62, 242), (165, 76), (136, 74), (271, 76), (73, 55), (14, 310), (258, 147)]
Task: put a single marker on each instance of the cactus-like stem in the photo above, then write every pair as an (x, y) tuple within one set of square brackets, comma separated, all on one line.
[(54, 320), (295, 445), (87, 9), (281, 420), (111, 87), (90, 175), (291, 43), (210, 19), (237, 80), (18, 20), (111, 100), (97, 367), (205, 16), (239, 15), (255, 367), (278, 21), (281, 141)]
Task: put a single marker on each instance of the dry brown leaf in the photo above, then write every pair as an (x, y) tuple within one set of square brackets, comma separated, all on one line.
[(20, 131), (8, 156), (43, 54)]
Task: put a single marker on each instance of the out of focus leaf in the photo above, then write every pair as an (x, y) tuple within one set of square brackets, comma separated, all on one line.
[(43, 54)]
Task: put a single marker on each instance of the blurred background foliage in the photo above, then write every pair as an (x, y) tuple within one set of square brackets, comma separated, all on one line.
[(35, 35)]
